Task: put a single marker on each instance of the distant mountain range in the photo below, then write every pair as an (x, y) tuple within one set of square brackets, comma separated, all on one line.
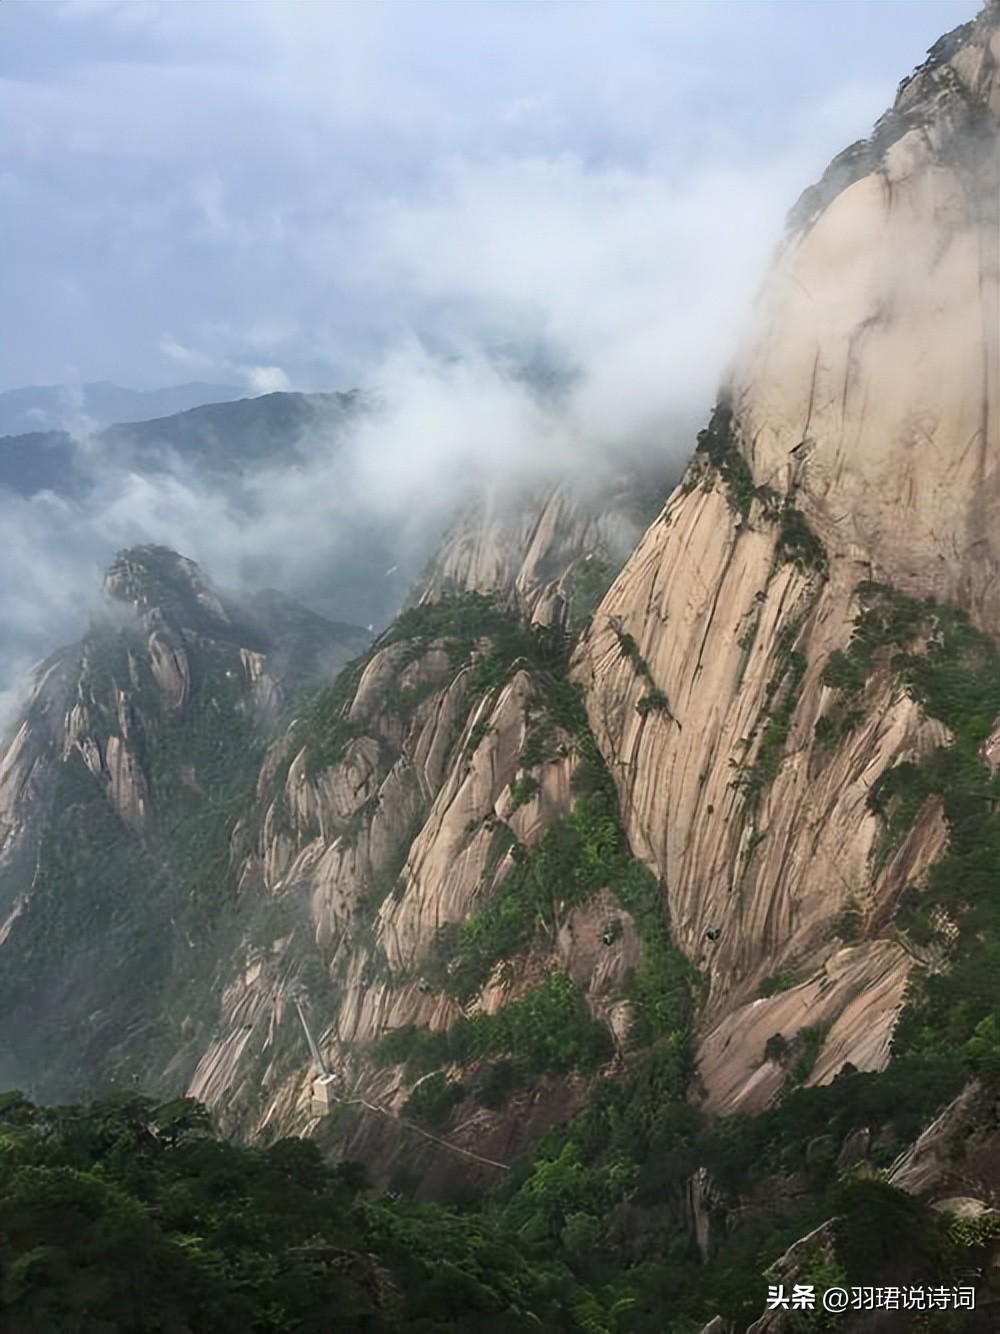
[(356, 567), (70, 407), (213, 437)]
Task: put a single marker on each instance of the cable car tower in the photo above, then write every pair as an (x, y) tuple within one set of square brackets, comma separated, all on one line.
[(324, 1083)]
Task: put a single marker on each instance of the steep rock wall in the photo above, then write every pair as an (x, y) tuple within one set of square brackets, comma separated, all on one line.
[(862, 445)]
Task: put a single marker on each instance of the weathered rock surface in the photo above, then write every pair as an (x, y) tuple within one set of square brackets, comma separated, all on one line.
[(867, 399), (958, 1156), (858, 443), (129, 750), (528, 545), (425, 792)]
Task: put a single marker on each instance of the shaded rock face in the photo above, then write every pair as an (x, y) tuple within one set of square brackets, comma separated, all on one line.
[(857, 441), (955, 1163), (534, 546), (34, 743), (374, 864), (113, 794)]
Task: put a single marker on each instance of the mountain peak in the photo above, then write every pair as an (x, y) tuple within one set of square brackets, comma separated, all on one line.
[(943, 100), (154, 578), (966, 58)]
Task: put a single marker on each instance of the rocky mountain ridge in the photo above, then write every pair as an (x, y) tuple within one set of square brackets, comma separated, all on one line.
[(661, 899), (34, 408), (114, 787)]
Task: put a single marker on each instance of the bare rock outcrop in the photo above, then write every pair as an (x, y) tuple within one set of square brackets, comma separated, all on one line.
[(861, 421)]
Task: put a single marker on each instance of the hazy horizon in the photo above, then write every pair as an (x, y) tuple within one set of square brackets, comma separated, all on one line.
[(414, 199)]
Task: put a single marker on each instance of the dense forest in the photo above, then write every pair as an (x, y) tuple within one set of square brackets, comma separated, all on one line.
[(127, 1216)]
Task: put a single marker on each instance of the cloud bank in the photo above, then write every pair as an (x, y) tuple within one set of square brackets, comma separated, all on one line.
[(419, 199)]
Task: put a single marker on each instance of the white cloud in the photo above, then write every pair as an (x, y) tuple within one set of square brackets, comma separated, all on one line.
[(266, 379), (185, 356), (387, 188)]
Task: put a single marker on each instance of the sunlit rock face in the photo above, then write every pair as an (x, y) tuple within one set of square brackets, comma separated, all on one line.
[(866, 399), (863, 412), (870, 391), (855, 444)]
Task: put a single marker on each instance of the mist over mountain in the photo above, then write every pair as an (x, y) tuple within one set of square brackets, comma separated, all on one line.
[(515, 844), (94, 406), (218, 441), (201, 480), (339, 499)]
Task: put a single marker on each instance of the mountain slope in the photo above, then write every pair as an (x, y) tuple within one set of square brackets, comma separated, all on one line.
[(227, 475), (54, 407), (439, 773), (215, 439), (818, 501), (653, 909), (116, 796)]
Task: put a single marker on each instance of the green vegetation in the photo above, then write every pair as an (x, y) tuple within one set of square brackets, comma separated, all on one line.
[(477, 736), (135, 1217), (126, 1216), (471, 627), (578, 855), (957, 679), (834, 726), (111, 903), (327, 726), (851, 922), (952, 1015), (548, 1029), (461, 621), (418, 1049), (630, 650), (886, 620), (409, 699), (522, 790), (541, 746), (881, 1228), (797, 543), (803, 1053), (432, 1100), (780, 700), (589, 1231), (777, 1048), (717, 443), (655, 701), (798, 1056), (586, 585)]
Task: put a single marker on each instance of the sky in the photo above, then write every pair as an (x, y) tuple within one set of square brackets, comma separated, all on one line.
[(414, 198), (281, 194)]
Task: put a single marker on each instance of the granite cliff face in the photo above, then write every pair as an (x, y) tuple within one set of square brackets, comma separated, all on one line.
[(114, 788), (646, 826), (534, 546), (856, 444), (410, 800)]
